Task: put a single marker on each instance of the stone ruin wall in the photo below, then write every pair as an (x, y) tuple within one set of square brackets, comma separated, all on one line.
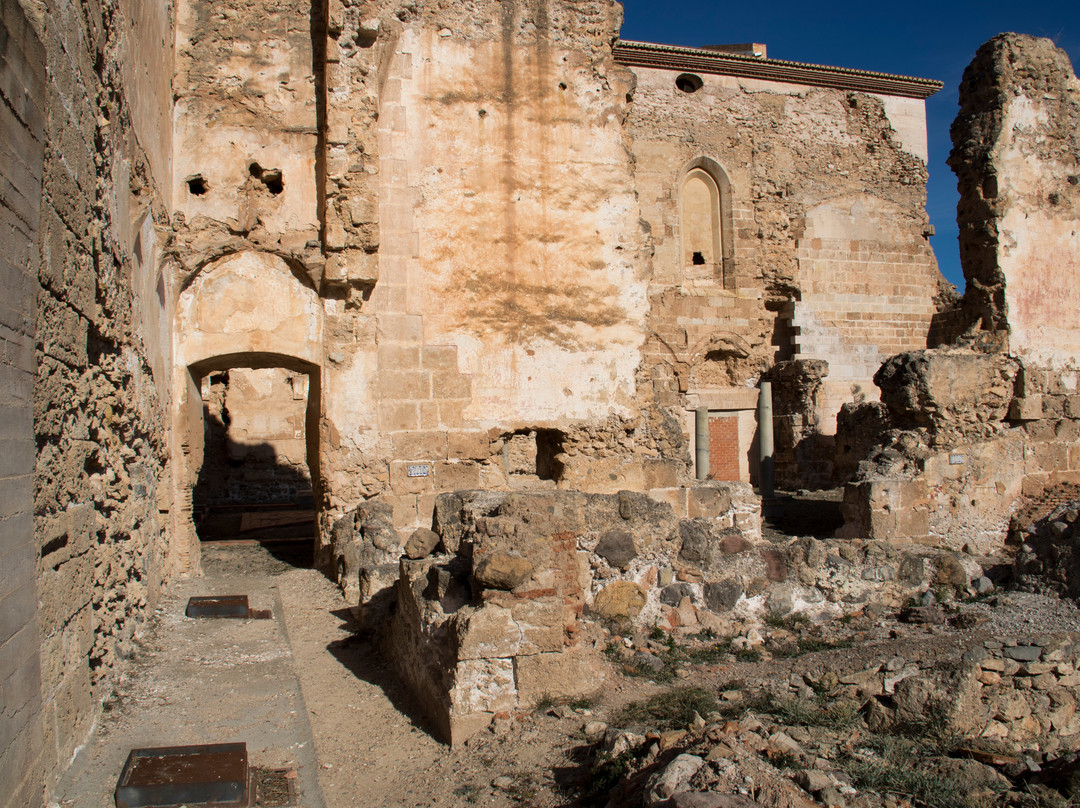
[(515, 596), (255, 452), (87, 152), (971, 429), (828, 257), (511, 278), (474, 183), (418, 325), (325, 177)]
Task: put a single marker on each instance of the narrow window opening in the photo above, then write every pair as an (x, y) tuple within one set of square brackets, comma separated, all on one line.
[(698, 259), (197, 185), (549, 446)]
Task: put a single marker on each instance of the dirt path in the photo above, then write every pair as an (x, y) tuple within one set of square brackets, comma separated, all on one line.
[(370, 751), (198, 682), (372, 747), (306, 692)]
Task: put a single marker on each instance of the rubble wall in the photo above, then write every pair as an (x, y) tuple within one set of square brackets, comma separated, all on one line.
[(22, 146), (513, 596), (101, 336), (1016, 154)]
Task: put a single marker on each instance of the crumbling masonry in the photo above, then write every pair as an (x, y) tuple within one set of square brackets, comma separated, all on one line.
[(358, 256)]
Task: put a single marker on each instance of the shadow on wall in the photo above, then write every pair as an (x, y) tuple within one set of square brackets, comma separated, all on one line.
[(246, 493)]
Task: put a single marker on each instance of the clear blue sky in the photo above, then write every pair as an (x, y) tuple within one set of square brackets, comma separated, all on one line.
[(917, 38)]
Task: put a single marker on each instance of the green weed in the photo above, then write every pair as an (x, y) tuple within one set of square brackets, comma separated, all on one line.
[(672, 709)]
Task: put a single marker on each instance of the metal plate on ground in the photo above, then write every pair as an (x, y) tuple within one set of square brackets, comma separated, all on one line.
[(218, 606), (205, 775)]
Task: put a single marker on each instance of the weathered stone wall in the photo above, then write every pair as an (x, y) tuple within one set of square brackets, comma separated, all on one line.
[(22, 130), (101, 346), (455, 190), (255, 449), (511, 596), (972, 430), (1016, 154), (508, 252), (965, 436), (825, 255), (500, 606)]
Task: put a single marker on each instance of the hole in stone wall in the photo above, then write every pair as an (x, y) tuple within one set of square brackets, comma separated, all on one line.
[(533, 454), (197, 185), (698, 259), (689, 83), (270, 177), (549, 445)]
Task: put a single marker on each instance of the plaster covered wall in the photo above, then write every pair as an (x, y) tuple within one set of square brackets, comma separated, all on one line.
[(1016, 154)]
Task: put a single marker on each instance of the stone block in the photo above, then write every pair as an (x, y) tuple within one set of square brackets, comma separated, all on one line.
[(721, 596), (404, 384), (352, 266), (451, 384), (1028, 408), (429, 445), (660, 473), (399, 357), (483, 685), (619, 600), (399, 415), (439, 357), (402, 483), (573, 673), (540, 622), (421, 543), (469, 445), (486, 633), (708, 501), (457, 475), (617, 548)]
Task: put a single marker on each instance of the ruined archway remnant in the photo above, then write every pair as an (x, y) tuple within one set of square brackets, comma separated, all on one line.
[(247, 310)]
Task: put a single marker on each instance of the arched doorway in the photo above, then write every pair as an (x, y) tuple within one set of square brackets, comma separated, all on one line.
[(247, 402)]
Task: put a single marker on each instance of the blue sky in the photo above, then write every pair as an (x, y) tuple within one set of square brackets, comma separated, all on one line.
[(931, 40)]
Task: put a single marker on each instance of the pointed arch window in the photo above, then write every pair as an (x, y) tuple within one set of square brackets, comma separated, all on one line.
[(705, 223)]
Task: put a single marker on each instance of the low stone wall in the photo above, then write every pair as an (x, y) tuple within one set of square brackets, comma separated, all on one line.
[(510, 598), (965, 438), (503, 603), (1020, 693)]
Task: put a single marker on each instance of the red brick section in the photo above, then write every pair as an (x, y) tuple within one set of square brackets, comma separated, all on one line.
[(724, 447)]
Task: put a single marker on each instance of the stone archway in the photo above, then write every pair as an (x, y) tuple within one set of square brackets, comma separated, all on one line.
[(246, 310)]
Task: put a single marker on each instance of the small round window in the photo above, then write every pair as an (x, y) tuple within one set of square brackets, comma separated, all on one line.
[(689, 83)]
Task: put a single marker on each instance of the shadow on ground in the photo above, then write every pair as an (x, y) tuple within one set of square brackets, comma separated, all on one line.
[(361, 655)]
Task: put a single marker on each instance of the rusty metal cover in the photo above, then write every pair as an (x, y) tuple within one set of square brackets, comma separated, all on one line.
[(206, 775), (218, 606)]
